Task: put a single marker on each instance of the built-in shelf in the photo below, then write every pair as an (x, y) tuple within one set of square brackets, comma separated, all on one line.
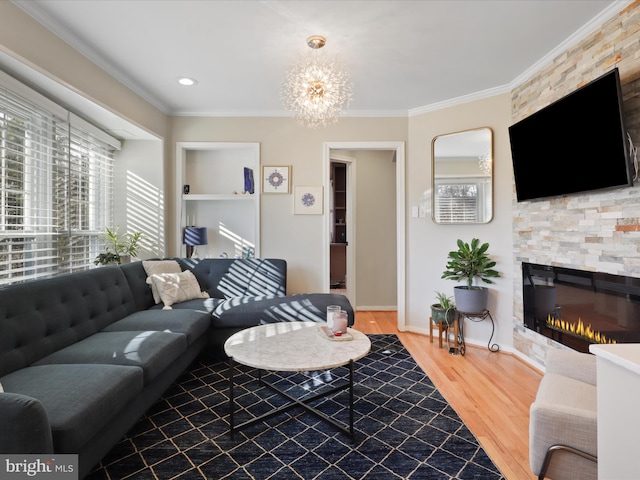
[(218, 196), (213, 171)]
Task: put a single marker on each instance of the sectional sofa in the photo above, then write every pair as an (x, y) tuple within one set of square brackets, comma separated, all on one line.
[(84, 355)]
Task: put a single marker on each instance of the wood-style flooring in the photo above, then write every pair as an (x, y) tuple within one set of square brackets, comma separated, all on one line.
[(491, 391)]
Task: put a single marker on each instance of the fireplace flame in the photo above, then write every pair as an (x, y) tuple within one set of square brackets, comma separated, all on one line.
[(578, 329)]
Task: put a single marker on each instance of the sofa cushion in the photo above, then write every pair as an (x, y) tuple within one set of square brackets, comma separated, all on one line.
[(137, 280), (176, 287), (199, 304), (192, 323), (232, 277), (154, 267), (303, 307), (565, 392), (79, 399), (150, 350), (42, 316)]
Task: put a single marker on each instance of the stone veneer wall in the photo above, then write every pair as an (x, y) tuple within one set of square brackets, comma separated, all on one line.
[(597, 231)]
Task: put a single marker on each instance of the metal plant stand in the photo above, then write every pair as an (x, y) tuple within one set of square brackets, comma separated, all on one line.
[(476, 317)]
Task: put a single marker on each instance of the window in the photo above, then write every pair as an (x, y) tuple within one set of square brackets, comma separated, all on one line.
[(457, 203), (56, 186), (461, 199)]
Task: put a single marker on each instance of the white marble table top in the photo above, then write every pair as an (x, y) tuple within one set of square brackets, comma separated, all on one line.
[(294, 347)]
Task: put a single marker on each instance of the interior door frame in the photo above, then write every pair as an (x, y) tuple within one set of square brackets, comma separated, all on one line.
[(399, 149)]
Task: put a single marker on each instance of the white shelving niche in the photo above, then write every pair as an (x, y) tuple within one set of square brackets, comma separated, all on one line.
[(214, 172)]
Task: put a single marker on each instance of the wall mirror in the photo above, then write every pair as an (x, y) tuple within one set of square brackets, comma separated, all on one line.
[(462, 189)]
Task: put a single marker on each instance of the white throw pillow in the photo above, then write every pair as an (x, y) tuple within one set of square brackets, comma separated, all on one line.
[(1, 389), (176, 287), (153, 267)]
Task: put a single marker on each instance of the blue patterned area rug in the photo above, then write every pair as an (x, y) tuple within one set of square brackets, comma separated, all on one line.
[(404, 428)]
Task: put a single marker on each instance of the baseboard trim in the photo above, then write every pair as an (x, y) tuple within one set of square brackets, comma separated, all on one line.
[(393, 308)]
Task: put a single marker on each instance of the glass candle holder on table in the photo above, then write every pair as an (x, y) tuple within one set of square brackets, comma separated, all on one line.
[(340, 321)]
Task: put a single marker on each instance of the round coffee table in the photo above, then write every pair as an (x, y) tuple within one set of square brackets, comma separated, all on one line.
[(295, 347)]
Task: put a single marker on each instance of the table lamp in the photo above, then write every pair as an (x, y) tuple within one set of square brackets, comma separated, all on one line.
[(194, 236)]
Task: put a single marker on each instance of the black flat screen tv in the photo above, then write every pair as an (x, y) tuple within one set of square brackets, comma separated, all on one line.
[(575, 144)]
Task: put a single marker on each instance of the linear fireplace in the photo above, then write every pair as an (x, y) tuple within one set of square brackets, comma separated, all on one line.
[(578, 308)]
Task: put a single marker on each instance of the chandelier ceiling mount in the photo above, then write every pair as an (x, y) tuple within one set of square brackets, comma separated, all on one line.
[(316, 41)]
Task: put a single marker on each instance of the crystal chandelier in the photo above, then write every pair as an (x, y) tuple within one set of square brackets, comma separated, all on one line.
[(485, 163), (316, 89)]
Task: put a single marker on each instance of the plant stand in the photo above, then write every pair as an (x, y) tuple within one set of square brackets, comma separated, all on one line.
[(478, 318), (443, 327)]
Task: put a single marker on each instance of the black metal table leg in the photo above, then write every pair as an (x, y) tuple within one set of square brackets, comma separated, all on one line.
[(231, 399), (353, 438), (293, 402)]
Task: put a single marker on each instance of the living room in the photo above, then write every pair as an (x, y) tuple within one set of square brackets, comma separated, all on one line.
[(598, 224)]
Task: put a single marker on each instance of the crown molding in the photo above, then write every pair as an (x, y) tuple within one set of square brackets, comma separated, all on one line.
[(31, 9)]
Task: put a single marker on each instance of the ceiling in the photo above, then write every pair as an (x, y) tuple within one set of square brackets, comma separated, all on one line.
[(404, 57)]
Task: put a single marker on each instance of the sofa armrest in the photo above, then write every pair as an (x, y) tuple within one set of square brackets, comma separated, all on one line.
[(576, 365), (25, 425)]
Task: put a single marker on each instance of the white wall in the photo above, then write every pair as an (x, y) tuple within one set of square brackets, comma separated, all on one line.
[(376, 264), (139, 203), (297, 238), (429, 243)]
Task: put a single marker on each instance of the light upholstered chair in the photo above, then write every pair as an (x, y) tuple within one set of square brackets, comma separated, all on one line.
[(563, 425)]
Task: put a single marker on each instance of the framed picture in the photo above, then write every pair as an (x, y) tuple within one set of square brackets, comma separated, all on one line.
[(276, 179), (307, 200)]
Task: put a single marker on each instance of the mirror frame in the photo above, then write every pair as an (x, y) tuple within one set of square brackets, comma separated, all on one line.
[(476, 152)]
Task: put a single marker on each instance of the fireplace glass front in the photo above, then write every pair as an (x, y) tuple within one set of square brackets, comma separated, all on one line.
[(578, 308)]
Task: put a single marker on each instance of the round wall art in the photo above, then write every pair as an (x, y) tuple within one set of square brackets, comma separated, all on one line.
[(308, 200), (275, 179)]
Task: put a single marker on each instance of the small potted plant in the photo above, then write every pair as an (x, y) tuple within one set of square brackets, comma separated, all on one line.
[(466, 264), (444, 310), (118, 248)]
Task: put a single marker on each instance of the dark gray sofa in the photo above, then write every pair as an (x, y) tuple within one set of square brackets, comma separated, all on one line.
[(84, 355)]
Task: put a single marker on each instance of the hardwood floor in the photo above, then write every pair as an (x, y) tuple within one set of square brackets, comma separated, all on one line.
[(492, 392)]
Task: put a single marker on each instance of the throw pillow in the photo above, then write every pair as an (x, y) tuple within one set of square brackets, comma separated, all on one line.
[(1, 389), (153, 267), (176, 287)]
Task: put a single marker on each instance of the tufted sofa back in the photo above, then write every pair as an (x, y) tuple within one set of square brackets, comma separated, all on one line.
[(42, 316), (219, 277), (239, 277)]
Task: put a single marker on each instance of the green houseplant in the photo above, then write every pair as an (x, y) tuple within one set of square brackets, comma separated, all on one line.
[(444, 310), (118, 246), (468, 263)]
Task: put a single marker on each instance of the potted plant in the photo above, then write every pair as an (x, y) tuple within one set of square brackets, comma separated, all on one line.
[(118, 248), (466, 264), (444, 310)]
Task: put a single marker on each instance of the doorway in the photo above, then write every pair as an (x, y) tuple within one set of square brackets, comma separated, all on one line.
[(397, 148), (339, 224)]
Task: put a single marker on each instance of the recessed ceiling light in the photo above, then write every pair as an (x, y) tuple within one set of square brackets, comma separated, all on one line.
[(186, 81)]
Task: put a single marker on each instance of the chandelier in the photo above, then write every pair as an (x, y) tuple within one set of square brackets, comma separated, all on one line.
[(316, 90), (485, 163)]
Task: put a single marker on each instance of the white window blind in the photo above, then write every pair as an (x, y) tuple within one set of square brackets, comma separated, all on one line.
[(456, 203), (56, 187)]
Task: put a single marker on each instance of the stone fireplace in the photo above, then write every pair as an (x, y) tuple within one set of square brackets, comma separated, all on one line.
[(578, 307)]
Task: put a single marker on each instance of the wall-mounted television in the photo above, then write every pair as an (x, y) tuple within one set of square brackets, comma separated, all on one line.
[(575, 144)]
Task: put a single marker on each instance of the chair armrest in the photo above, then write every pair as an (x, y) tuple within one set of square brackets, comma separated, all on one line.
[(576, 365), (552, 425), (25, 425)]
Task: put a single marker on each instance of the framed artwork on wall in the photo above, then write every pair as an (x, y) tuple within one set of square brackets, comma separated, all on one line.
[(307, 200), (276, 179)]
